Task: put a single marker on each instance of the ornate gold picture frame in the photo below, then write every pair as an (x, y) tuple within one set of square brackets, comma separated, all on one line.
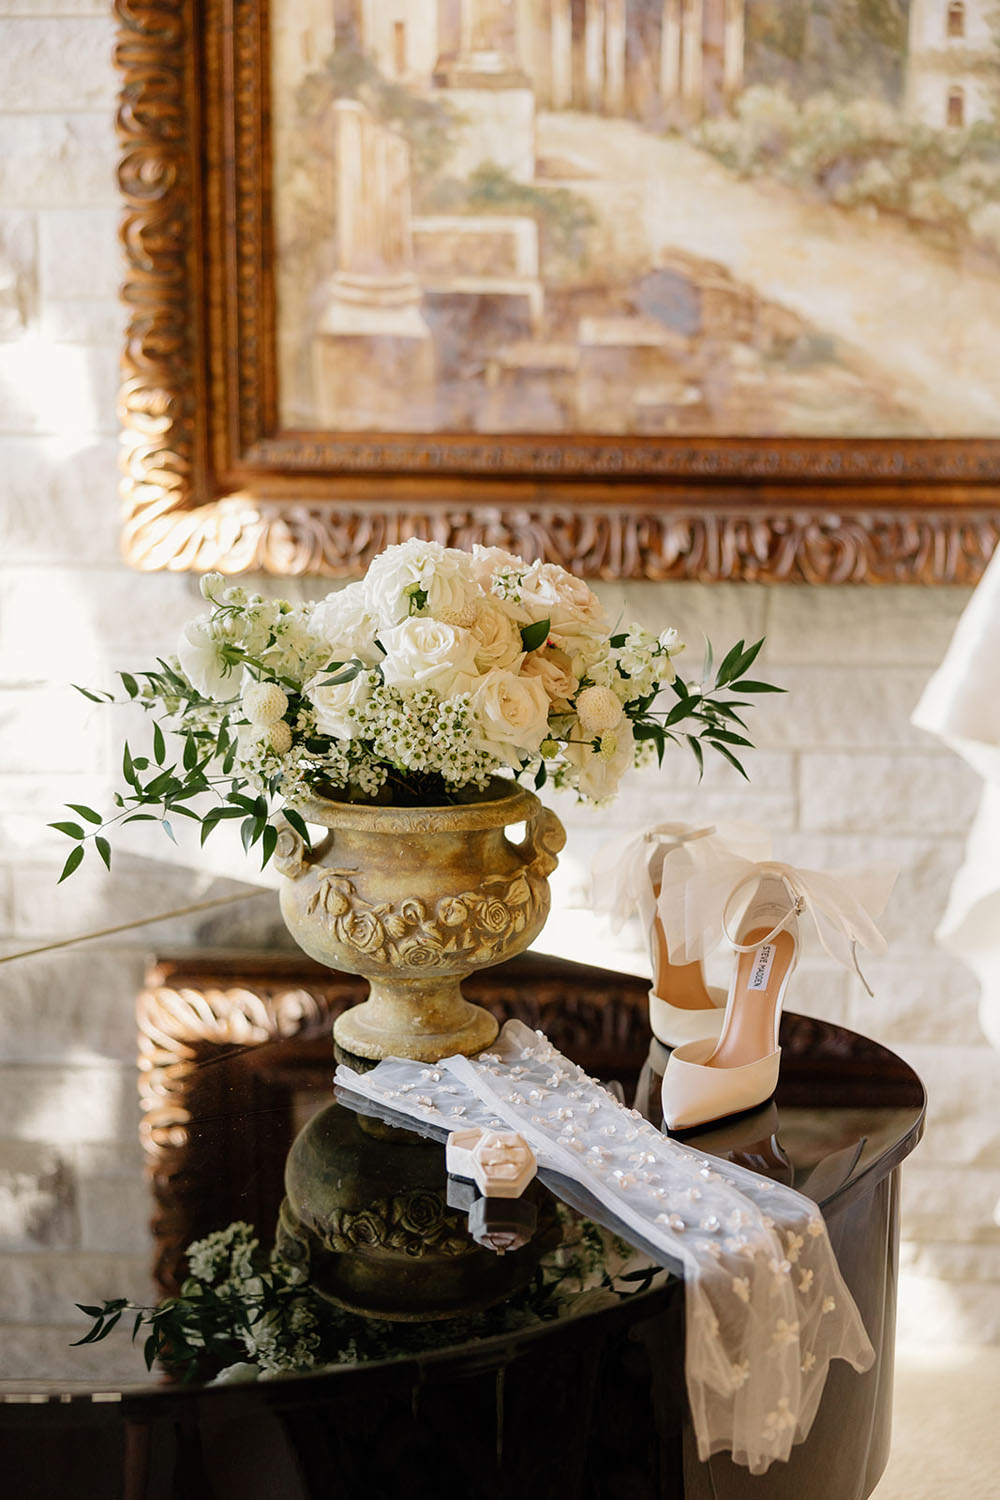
[(219, 471)]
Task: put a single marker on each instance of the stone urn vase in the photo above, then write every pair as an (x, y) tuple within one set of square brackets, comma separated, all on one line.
[(415, 899)]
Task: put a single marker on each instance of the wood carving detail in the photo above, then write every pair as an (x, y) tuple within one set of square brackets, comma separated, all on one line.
[(946, 546)]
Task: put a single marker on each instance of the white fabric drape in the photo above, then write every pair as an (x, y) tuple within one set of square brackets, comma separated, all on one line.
[(961, 705), (766, 1306)]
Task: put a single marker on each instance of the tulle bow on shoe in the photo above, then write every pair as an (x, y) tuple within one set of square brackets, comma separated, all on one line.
[(621, 870), (699, 903)]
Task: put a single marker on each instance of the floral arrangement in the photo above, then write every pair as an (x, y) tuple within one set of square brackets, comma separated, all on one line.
[(436, 672)]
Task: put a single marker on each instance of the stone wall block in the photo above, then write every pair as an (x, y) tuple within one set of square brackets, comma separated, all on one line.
[(37, 1198), (67, 66), (18, 273), (933, 1312), (60, 501), (942, 1203), (859, 793), (114, 1214), (696, 611), (57, 388), (934, 1001), (963, 1084), (58, 160), (28, 1352), (67, 1104), (48, 1016), (841, 708), (830, 627), (44, 1289), (78, 253)]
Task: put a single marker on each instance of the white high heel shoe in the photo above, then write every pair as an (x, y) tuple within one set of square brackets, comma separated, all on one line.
[(626, 877), (707, 1080)]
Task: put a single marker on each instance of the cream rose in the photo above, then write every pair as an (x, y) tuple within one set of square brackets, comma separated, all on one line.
[(513, 714), (551, 593), (334, 702), (552, 668), (498, 638), (344, 621), (487, 560), (202, 661), (426, 653)]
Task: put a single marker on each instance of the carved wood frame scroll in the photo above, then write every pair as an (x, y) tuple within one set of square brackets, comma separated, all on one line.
[(211, 480)]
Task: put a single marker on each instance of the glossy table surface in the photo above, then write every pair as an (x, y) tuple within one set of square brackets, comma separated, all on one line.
[(411, 1295)]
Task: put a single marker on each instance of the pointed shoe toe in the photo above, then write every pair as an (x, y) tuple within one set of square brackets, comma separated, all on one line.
[(695, 1093)]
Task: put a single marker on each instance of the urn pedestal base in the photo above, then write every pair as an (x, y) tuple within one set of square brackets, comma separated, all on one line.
[(422, 1019)]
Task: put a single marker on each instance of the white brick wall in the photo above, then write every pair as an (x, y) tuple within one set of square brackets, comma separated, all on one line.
[(840, 773)]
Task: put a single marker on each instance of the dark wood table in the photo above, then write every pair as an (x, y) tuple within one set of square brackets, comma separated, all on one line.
[(591, 1405)]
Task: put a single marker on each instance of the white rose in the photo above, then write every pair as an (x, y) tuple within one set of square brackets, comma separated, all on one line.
[(427, 653), (334, 702), (598, 710), (452, 591), (443, 573), (498, 638), (601, 770), (513, 714), (552, 668), (345, 622), (202, 661)]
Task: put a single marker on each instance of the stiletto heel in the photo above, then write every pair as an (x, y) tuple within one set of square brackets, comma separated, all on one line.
[(708, 1080), (627, 877)]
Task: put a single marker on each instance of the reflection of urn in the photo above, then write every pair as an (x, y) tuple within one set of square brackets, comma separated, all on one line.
[(415, 899), (370, 1220)]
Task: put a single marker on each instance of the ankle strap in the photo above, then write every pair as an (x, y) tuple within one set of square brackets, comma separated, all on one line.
[(797, 904), (676, 834)]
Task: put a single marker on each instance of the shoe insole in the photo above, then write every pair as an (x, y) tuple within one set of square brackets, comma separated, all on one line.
[(682, 985), (749, 1030)]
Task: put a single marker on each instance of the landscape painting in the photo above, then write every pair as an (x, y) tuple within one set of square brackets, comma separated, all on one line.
[(759, 218)]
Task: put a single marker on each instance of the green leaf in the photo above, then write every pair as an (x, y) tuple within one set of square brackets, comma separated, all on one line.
[(104, 850), (681, 688), (618, 641), (698, 754), (129, 684), (728, 755), (136, 1326), (168, 830), (680, 711), (268, 842), (71, 830), (94, 697), (247, 834), (729, 737), (227, 764), (128, 768), (299, 824), (749, 657), (92, 1312), (729, 666), (346, 675), (159, 745), (190, 753), (533, 636), (75, 856), (541, 775), (757, 687), (139, 818), (85, 812), (150, 1349), (706, 670)]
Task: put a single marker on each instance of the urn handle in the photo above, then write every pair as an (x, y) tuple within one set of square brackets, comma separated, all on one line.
[(544, 838), (292, 856)]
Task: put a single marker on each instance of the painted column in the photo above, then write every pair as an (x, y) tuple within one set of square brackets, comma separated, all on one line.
[(670, 50), (692, 83), (562, 54), (614, 57), (593, 54), (733, 47), (374, 235)]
